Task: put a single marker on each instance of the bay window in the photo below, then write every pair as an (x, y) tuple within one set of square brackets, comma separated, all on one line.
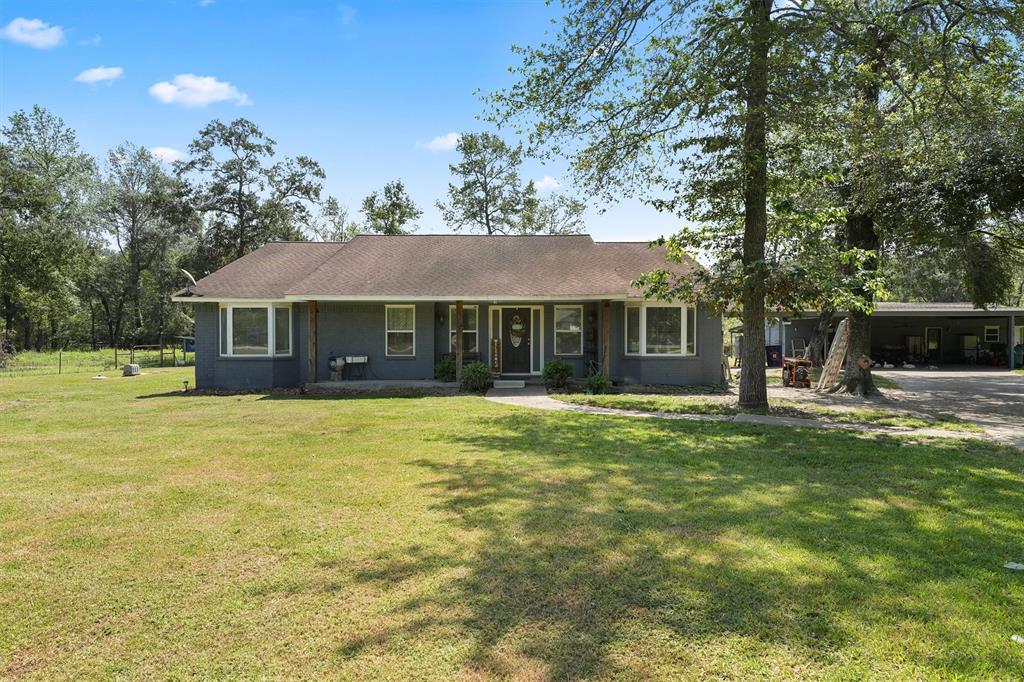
[(568, 330), (255, 330), (661, 329), (470, 329), (400, 330)]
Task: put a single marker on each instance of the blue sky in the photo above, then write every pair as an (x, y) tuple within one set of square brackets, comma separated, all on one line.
[(363, 88)]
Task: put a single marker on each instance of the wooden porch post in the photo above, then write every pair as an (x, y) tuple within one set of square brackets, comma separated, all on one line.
[(458, 341), (311, 343), (606, 325)]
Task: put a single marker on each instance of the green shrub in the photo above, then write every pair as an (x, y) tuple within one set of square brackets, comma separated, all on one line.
[(557, 373), (476, 376), (445, 370), (597, 384)]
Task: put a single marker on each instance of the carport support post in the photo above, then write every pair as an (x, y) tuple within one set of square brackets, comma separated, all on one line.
[(458, 341), (1013, 328), (311, 344), (606, 325)]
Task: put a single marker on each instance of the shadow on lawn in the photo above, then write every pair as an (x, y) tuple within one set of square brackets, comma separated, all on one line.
[(605, 544)]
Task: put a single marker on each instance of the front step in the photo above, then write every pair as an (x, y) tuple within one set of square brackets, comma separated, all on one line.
[(509, 383)]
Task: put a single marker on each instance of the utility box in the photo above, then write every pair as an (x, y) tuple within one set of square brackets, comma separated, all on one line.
[(131, 371)]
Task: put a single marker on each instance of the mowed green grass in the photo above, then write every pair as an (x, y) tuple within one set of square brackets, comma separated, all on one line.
[(144, 533), (773, 377), (881, 416), (80, 361)]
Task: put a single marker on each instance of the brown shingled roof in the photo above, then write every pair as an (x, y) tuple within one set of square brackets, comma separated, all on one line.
[(442, 266), (267, 272)]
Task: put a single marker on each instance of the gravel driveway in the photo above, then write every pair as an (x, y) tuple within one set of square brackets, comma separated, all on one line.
[(994, 398)]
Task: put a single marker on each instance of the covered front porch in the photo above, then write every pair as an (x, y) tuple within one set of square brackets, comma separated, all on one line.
[(406, 341)]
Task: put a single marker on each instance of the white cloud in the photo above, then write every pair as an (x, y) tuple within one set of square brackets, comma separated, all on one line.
[(190, 90), (91, 42), (167, 154), (441, 143), (33, 32), (205, 3), (546, 184), (346, 14), (100, 74)]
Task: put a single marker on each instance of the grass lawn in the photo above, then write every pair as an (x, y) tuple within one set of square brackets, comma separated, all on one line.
[(791, 408), (84, 361), (773, 377), (145, 533)]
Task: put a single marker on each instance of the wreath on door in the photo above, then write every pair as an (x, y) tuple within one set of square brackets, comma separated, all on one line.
[(516, 333)]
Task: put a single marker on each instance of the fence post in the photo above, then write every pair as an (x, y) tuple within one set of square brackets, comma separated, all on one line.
[(115, 356), (60, 361)]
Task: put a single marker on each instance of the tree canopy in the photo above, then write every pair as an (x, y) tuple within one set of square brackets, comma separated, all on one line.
[(391, 210), (245, 196)]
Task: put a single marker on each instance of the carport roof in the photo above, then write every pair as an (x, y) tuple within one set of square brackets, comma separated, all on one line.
[(952, 309), (959, 309)]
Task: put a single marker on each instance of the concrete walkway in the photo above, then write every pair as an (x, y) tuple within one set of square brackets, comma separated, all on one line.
[(537, 397)]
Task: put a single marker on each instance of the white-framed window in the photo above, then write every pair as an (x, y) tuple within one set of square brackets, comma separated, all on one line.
[(1019, 334), (568, 330), (400, 330), (691, 330), (991, 333), (633, 335), (470, 329), (255, 330), (661, 329)]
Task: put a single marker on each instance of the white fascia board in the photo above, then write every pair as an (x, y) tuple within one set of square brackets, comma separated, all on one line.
[(231, 301), (451, 299)]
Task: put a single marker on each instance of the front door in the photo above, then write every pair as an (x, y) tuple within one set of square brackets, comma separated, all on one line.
[(515, 340)]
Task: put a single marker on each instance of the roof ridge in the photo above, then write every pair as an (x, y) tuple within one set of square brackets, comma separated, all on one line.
[(300, 241), (480, 236)]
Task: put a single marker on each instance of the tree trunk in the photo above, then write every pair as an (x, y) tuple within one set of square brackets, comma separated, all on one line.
[(860, 233), (92, 324), (816, 348), (753, 386), (8, 318)]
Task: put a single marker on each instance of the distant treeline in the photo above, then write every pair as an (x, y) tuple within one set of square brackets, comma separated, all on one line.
[(91, 250)]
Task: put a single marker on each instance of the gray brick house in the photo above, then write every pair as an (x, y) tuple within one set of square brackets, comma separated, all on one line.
[(290, 313)]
